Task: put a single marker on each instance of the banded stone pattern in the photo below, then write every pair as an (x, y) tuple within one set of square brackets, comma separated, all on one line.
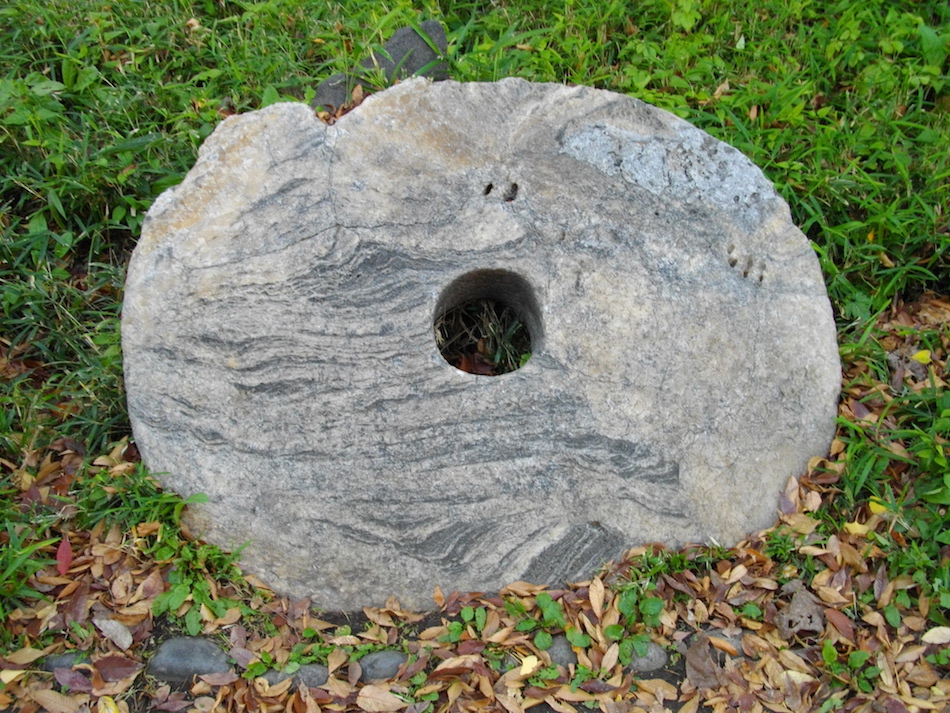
[(280, 355)]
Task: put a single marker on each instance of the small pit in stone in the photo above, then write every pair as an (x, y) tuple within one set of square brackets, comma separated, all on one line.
[(487, 322)]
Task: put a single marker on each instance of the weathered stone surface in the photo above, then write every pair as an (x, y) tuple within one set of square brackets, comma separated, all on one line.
[(654, 658), (181, 658), (279, 350), (310, 675), (381, 664)]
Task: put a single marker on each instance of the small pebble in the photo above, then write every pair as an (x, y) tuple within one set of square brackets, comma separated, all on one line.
[(381, 665), (66, 660), (181, 658), (654, 658), (561, 652), (310, 675)]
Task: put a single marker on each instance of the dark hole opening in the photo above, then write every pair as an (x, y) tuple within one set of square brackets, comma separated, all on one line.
[(483, 336)]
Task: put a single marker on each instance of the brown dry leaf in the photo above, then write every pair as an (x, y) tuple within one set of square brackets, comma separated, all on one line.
[(219, 679), (561, 707), (723, 645), (379, 616), (801, 523), (840, 622), (25, 655), (802, 614), (564, 693), (115, 631), (57, 702), (658, 688), (596, 597), (376, 699), (336, 658), (522, 589), (306, 699), (115, 668), (701, 669), (937, 635)]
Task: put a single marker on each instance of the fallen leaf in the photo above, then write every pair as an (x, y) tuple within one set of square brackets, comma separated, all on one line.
[(24, 656), (219, 679), (242, 656), (64, 556), (596, 597), (840, 622), (205, 704), (72, 680), (56, 702), (376, 699), (172, 702), (597, 686), (115, 631), (701, 669), (723, 645), (115, 668), (937, 635), (337, 658), (9, 675), (802, 614), (106, 704), (529, 664)]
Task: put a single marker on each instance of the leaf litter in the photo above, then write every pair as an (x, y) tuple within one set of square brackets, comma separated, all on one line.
[(814, 628)]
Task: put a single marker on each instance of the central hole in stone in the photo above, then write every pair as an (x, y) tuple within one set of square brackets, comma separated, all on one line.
[(487, 322)]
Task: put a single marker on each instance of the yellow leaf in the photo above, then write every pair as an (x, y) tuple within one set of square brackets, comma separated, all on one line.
[(379, 699), (876, 506), (107, 705), (9, 675), (856, 528), (923, 356), (871, 236), (528, 665)]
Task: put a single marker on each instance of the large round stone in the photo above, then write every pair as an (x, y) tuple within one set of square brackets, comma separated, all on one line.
[(280, 354)]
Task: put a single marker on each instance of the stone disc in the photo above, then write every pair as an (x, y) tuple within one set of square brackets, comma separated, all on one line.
[(280, 354)]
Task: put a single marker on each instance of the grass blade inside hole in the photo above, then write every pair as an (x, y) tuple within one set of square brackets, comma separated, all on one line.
[(484, 337)]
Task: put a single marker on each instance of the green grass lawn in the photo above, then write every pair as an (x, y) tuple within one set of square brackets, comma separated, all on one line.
[(844, 105)]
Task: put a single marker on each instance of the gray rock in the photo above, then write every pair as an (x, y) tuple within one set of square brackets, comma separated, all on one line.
[(655, 658), (561, 651), (65, 660), (180, 659), (407, 53), (310, 675), (380, 665), (280, 355)]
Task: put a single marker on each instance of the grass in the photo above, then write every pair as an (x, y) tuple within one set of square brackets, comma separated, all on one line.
[(845, 106), (483, 336)]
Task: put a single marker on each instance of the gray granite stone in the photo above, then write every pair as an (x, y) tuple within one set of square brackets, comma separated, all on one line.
[(561, 651), (655, 658), (380, 665), (280, 355), (180, 659), (64, 660), (310, 675)]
